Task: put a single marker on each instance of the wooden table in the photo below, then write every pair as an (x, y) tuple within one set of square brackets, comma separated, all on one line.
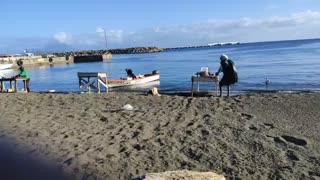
[(99, 79), (14, 80), (2, 80), (24, 80), (210, 79)]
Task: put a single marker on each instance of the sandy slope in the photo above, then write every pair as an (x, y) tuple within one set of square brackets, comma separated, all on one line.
[(261, 136)]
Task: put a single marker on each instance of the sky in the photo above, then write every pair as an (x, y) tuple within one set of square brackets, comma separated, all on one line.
[(64, 25)]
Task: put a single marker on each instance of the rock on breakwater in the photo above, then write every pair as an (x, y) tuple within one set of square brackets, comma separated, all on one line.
[(112, 51)]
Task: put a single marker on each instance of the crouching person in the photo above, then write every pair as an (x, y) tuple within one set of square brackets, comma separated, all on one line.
[(24, 74)]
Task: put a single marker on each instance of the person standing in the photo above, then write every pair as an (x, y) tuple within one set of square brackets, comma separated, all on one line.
[(24, 74), (230, 75)]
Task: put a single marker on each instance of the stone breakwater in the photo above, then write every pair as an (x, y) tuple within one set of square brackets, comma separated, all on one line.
[(75, 57), (112, 51)]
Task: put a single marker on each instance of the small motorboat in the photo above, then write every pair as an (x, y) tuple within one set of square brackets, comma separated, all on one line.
[(5, 66), (129, 81)]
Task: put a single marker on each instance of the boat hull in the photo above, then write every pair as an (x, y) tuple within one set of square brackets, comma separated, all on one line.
[(5, 66), (123, 82)]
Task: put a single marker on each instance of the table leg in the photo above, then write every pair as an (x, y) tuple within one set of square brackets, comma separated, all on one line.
[(15, 86), (79, 84), (217, 88), (107, 88), (25, 85), (98, 85), (192, 89), (3, 87)]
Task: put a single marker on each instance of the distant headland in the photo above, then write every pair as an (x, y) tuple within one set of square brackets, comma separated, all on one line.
[(203, 46), (134, 50)]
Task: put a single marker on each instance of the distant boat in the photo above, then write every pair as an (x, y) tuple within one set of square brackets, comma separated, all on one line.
[(142, 79), (5, 66)]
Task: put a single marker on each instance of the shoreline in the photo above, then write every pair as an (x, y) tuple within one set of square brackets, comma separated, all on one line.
[(184, 93), (251, 136)]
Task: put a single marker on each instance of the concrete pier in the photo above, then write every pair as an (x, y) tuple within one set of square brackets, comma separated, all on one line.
[(40, 60)]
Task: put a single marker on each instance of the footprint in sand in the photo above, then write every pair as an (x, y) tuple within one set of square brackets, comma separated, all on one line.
[(190, 124), (206, 117), (260, 126), (138, 147), (135, 134), (253, 127), (315, 174), (283, 140), (227, 109), (279, 141), (268, 125), (292, 155), (205, 132), (246, 116), (130, 124), (122, 149), (294, 140), (103, 119), (188, 132)]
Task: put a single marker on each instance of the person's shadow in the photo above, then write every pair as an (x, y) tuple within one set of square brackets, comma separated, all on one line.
[(15, 165)]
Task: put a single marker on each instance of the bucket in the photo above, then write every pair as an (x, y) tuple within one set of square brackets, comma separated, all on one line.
[(204, 71)]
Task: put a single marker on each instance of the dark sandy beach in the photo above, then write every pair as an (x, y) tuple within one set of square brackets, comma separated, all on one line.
[(89, 136)]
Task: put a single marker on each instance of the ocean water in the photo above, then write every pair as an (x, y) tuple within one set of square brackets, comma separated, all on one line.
[(289, 65)]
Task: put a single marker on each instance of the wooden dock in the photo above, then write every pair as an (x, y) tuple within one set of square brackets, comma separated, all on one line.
[(99, 79)]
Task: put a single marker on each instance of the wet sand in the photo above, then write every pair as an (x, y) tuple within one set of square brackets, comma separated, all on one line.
[(253, 136)]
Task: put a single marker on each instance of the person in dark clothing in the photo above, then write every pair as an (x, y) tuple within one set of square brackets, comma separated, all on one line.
[(230, 75), (130, 74), (24, 74)]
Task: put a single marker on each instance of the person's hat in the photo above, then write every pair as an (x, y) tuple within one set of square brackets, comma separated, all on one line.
[(224, 57)]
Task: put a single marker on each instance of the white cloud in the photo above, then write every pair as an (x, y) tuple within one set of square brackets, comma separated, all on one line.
[(307, 17), (100, 30), (296, 26), (62, 37)]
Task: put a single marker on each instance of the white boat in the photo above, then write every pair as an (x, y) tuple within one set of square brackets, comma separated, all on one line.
[(141, 79), (5, 66)]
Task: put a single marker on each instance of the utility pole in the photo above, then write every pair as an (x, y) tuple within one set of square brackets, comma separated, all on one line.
[(105, 38)]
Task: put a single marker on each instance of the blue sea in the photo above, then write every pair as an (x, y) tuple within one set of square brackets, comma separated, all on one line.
[(289, 65)]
